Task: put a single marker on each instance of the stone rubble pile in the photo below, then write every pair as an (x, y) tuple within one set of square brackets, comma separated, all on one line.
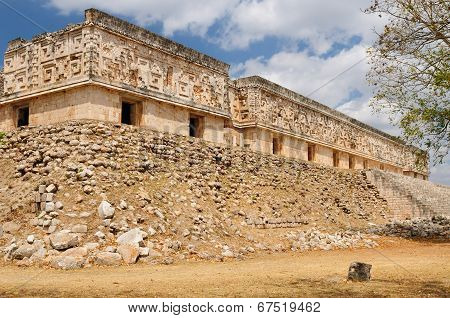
[(86, 193), (46, 207), (314, 239), (431, 227)]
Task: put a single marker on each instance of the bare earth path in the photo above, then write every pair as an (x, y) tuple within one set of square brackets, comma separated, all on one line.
[(407, 269)]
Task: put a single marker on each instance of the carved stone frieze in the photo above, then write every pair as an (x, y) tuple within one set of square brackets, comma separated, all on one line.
[(259, 101), (127, 62), (48, 60)]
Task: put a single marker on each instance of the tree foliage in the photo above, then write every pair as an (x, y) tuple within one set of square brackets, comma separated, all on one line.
[(410, 70)]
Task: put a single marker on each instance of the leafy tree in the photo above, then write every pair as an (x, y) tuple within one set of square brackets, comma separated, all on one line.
[(410, 70)]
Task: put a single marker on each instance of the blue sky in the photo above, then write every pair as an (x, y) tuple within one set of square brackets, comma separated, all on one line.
[(300, 44)]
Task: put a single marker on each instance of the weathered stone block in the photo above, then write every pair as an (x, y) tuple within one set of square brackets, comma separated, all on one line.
[(63, 240), (108, 258), (105, 210), (129, 252), (359, 272)]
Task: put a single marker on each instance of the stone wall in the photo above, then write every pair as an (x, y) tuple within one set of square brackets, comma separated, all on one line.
[(194, 199), (98, 103), (165, 117), (6, 119), (263, 103), (409, 197), (87, 102)]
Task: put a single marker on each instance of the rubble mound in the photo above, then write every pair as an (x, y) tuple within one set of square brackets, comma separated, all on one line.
[(423, 227), (81, 193)]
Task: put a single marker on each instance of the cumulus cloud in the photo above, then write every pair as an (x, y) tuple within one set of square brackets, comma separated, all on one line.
[(321, 23), (195, 16)]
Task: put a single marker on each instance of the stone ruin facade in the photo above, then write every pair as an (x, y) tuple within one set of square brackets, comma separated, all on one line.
[(110, 70)]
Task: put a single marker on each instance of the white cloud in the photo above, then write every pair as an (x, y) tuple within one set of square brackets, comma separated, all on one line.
[(318, 22), (195, 16)]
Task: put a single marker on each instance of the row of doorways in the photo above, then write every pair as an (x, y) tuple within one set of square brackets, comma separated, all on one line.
[(277, 146), (131, 115)]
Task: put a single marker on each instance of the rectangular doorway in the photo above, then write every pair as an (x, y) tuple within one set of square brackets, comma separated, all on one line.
[(23, 116), (366, 164), (336, 159), (351, 162), (126, 113), (276, 146), (131, 113), (311, 152), (196, 124)]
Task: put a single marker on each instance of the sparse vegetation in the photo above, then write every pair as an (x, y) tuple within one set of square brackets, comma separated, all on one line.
[(2, 136)]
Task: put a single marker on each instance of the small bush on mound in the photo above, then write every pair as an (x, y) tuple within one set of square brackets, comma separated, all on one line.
[(2, 136)]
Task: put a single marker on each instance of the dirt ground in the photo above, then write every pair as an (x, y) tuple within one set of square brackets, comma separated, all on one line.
[(401, 269)]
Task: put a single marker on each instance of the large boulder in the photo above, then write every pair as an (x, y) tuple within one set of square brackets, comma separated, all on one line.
[(40, 254), (105, 210), (24, 251), (76, 252), (67, 262), (11, 227), (108, 258), (63, 240), (134, 236), (359, 272), (129, 252)]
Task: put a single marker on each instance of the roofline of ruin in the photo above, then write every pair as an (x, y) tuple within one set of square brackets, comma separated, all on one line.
[(134, 32), (143, 35)]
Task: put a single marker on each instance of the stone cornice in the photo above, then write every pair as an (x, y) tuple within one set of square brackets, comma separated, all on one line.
[(154, 40)]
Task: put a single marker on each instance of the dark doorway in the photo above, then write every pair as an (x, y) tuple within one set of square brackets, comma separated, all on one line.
[(23, 116), (311, 152), (276, 146), (336, 159), (366, 164), (351, 162), (195, 126), (126, 113)]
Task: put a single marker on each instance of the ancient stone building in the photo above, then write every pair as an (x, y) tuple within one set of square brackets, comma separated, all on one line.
[(108, 69)]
